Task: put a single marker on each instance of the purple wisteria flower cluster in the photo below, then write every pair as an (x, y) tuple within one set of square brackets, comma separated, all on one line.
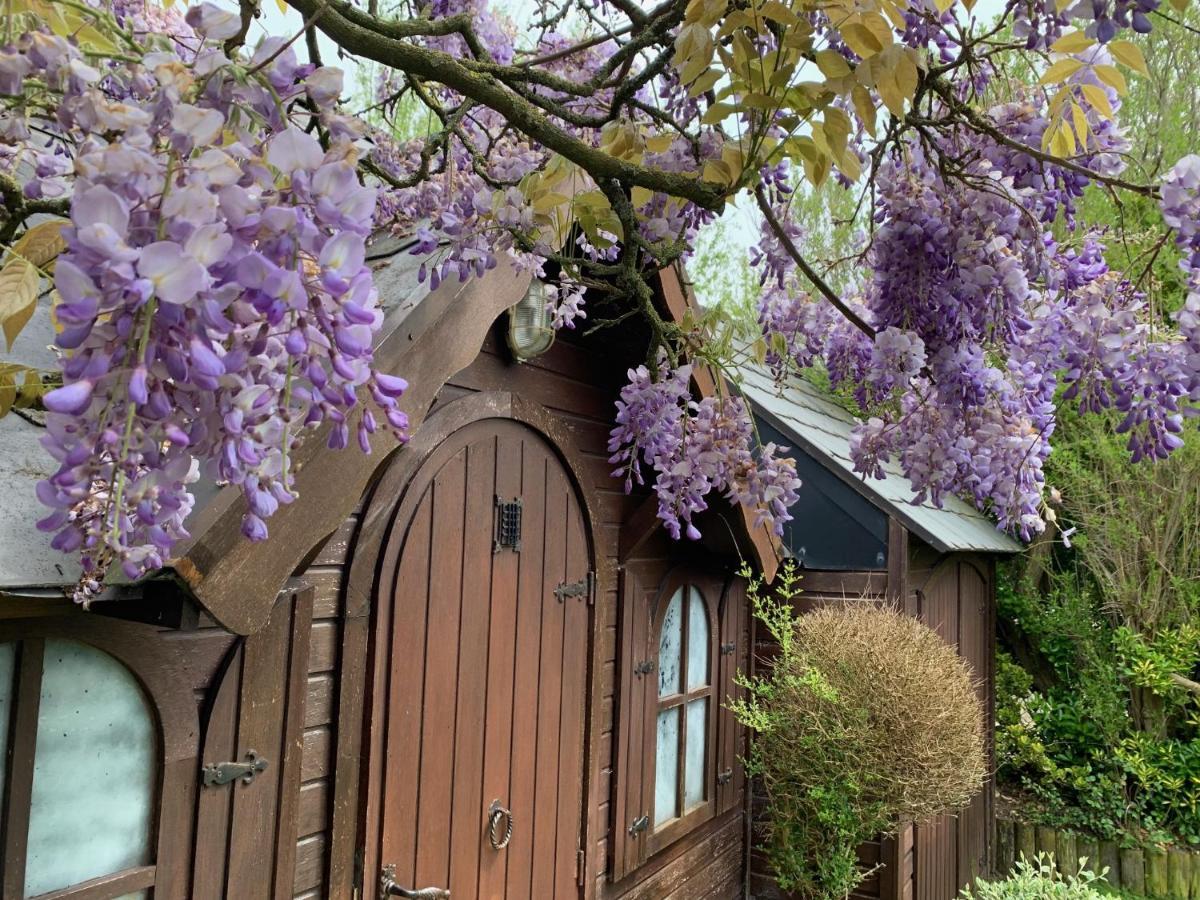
[(214, 299), (696, 447)]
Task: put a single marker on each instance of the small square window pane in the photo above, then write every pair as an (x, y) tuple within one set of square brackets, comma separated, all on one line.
[(697, 740), (8, 661), (95, 770), (670, 644), (666, 766), (697, 673)]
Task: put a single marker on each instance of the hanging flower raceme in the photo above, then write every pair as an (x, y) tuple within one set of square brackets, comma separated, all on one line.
[(214, 299), (695, 448)]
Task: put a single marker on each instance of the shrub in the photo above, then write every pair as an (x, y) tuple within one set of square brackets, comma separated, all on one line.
[(867, 719), (1038, 880)]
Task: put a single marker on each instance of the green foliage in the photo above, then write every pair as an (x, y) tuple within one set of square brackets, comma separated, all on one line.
[(1108, 743), (866, 719), (1039, 880)]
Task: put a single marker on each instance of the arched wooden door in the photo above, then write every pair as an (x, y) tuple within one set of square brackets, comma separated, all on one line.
[(952, 850), (485, 608)]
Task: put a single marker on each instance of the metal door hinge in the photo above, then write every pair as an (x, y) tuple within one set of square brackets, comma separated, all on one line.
[(640, 824), (223, 773), (584, 588), (645, 667), (506, 532), (580, 867), (729, 648)]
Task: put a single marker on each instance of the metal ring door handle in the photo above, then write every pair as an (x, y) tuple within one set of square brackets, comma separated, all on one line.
[(496, 815)]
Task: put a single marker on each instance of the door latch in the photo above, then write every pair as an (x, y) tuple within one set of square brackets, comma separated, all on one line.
[(223, 773), (725, 777), (640, 824), (388, 887)]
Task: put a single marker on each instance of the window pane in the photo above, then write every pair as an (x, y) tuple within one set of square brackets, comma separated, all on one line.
[(693, 767), (697, 672), (8, 659), (670, 641), (95, 770), (666, 765)]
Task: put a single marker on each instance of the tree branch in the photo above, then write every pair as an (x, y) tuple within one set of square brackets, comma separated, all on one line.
[(487, 90)]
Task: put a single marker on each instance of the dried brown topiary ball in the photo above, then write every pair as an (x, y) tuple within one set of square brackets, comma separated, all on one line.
[(867, 719), (923, 741)]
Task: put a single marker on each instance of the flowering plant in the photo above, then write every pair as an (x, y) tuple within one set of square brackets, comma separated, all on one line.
[(202, 204)]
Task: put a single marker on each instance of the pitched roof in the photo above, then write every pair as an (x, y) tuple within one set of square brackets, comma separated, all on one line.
[(822, 428)]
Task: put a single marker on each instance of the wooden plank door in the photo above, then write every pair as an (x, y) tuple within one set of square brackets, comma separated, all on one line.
[(246, 831), (951, 850), (487, 673)]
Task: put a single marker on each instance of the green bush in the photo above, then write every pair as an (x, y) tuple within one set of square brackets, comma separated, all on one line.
[(1038, 880), (867, 719)]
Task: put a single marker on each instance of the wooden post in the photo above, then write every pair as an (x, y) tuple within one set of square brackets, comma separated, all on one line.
[(1047, 842), (1133, 871), (1179, 872), (1068, 859), (1026, 839), (1089, 848), (1005, 846), (1110, 858), (1156, 872), (1195, 877)]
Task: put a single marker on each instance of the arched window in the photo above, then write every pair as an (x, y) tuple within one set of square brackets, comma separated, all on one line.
[(89, 754), (684, 710)]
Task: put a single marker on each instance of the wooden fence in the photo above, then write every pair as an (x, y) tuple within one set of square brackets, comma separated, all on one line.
[(1146, 871)]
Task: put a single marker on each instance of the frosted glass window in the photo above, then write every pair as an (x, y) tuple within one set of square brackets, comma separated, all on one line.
[(670, 642), (8, 660), (94, 772), (697, 732), (666, 766), (697, 639)]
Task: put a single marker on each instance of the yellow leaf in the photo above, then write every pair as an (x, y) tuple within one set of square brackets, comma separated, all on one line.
[(718, 112), (778, 12), (1179, 5), (1072, 43), (659, 143), (890, 93), (19, 283), (860, 39), (1129, 54), (864, 106), (906, 75), (944, 5), (41, 243), (1098, 99), (1061, 5), (549, 201), (850, 165), (718, 172), (640, 196), (704, 82), (1079, 120), (1061, 71), (1112, 76), (832, 64), (282, 4), (880, 27)]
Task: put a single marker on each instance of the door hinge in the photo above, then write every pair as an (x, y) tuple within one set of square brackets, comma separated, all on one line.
[(584, 588), (580, 867), (506, 531), (645, 667), (640, 824), (223, 773)]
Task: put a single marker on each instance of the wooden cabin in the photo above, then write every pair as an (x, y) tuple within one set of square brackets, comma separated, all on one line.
[(474, 664), (865, 538)]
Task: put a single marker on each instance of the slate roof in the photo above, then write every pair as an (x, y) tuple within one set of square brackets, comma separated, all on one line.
[(822, 428)]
